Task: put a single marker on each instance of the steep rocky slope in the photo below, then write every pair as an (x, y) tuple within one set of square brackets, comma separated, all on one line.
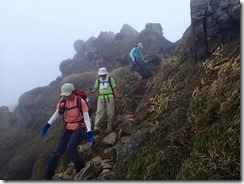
[(192, 117), (182, 123)]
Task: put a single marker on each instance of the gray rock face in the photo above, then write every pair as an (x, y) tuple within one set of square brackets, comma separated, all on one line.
[(5, 118), (113, 47), (79, 46), (153, 39), (214, 22)]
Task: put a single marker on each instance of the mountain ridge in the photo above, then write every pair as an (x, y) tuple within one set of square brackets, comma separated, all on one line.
[(199, 55)]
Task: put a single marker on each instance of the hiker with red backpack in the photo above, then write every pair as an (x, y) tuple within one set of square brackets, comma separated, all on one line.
[(77, 121), (107, 89)]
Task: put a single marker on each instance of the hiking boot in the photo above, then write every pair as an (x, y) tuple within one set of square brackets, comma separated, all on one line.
[(79, 165)]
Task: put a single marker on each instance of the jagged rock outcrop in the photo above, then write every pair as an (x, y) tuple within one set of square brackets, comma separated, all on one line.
[(125, 40), (146, 107), (126, 31), (5, 118), (115, 48), (79, 46), (153, 39), (105, 44), (214, 22), (76, 65), (28, 102)]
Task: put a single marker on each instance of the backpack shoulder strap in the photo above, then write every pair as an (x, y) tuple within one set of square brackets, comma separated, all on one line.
[(110, 83), (98, 80), (79, 104)]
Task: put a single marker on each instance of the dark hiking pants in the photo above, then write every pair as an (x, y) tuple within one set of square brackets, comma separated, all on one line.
[(141, 64), (69, 140)]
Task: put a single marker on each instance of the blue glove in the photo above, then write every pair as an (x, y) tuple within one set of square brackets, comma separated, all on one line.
[(44, 130), (90, 137)]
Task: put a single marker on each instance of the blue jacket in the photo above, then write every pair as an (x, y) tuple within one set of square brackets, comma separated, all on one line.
[(136, 53)]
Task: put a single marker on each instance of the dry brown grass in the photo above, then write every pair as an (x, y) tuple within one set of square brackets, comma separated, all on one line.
[(193, 116)]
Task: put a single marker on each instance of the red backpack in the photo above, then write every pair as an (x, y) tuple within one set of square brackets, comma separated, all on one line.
[(82, 94)]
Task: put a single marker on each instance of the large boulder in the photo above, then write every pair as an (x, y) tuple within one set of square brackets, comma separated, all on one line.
[(153, 39), (79, 46), (214, 22)]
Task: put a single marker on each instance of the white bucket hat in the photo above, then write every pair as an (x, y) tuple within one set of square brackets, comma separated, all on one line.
[(67, 89), (102, 71)]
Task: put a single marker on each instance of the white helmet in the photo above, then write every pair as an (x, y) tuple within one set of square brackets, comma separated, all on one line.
[(102, 71), (140, 45)]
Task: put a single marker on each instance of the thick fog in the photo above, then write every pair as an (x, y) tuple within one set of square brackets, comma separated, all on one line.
[(37, 35)]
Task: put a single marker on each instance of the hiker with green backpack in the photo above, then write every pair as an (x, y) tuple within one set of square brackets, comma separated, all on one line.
[(106, 87), (77, 122)]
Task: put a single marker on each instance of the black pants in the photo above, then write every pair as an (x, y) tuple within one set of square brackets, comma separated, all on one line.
[(141, 64), (69, 140)]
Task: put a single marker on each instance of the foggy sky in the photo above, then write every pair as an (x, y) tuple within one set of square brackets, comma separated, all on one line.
[(37, 35)]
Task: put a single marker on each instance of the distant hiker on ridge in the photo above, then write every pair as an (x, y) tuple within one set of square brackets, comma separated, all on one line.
[(137, 58), (76, 122), (106, 87)]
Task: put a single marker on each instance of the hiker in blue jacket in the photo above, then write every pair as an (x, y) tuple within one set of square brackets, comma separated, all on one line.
[(138, 58)]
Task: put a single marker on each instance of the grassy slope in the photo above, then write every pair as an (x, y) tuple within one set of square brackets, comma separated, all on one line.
[(191, 111), (193, 115)]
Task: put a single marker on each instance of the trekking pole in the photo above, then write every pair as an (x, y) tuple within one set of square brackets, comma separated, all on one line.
[(91, 93), (91, 107)]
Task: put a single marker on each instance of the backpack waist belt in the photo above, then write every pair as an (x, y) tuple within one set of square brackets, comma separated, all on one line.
[(106, 96), (81, 123)]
